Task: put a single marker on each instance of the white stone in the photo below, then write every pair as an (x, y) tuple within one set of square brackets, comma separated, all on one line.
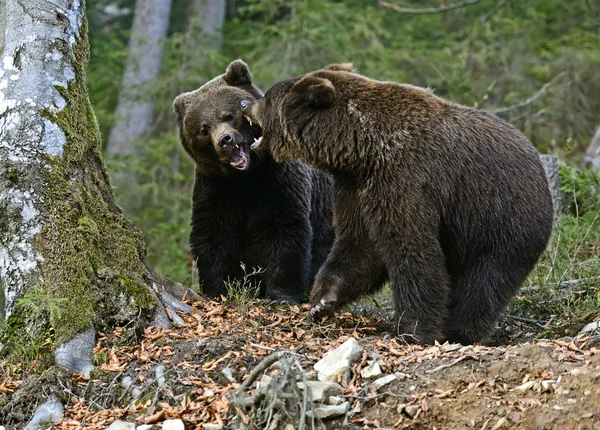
[(411, 410), (173, 425), (50, 411), (209, 426), (321, 390), (338, 361), (334, 400), (384, 380), (589, 328), (144, 427), (371, 371), (326, 412), (121, 425)]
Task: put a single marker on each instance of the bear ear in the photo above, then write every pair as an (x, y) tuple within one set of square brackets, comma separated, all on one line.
[(179, 104), (315, 91), (345, 67), (238, 74)]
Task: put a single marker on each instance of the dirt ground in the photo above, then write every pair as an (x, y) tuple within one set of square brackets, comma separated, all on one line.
[(162, 374)]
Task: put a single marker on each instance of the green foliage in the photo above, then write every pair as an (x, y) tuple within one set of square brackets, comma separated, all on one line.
[(565, 285), (243, 291), (466, 55)]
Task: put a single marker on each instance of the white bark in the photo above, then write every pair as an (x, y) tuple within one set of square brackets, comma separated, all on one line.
[(207, 17), (134, 111), (592, 154), (38, 48)]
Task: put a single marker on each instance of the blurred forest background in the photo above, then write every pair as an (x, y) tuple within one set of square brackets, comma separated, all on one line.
[(536, 63)]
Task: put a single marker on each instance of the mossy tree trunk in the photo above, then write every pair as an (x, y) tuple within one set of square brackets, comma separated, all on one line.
[(62, 238)]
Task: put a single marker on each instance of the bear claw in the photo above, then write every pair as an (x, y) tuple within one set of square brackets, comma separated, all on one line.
[(321, 311)]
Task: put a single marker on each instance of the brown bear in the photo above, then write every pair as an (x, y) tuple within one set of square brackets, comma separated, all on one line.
[(448, 203), (247, 208)]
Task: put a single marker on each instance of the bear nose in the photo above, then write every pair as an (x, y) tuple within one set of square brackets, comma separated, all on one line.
[(226, 139), (244, 104)]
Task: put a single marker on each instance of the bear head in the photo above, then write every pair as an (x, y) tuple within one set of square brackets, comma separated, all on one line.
[(286, 112), (212, 128)]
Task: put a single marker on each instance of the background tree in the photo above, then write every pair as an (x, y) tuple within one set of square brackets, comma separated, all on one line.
[(592, 153), (134, 110)]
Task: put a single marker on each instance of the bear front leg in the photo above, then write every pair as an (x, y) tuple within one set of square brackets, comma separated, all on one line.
[(352, 269), (289, 259)]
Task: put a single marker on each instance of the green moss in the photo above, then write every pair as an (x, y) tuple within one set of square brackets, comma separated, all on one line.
[(93, 256), (11, 175)]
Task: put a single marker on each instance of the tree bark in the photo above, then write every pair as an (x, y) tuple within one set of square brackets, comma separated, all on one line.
[(134, 112), (61, 235), (592, 154), (207, 17)]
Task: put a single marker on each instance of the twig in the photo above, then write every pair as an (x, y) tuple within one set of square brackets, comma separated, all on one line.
[(440, 9), (268, 348), (445, 366), (531, 99), (529, 321), (494, 11), (573, 283), (260, 368)]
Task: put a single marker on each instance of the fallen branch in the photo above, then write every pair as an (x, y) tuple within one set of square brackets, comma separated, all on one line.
[(495, 11), (573, 283), (528, 321), (531, 99), (440, 9), (455, 362), (259, 369)]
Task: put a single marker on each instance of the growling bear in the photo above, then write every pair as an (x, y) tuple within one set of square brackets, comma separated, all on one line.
[(448, 203), (247, 208)]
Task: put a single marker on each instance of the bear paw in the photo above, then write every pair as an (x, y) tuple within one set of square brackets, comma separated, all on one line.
[(321, 310)]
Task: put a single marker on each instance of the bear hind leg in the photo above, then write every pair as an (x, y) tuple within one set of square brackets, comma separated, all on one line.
[(480, 294)]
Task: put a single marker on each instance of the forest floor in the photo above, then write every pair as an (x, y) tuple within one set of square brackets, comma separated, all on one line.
[(191, 371)]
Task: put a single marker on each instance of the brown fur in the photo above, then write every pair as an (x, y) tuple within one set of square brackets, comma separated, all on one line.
[(276, 216), (449, 203)]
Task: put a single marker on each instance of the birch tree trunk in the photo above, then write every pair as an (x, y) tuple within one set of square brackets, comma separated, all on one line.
[(61, 235), (592, 154), (134, 110), (207, 17)]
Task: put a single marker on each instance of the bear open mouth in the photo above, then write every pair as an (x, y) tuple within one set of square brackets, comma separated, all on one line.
[(239, 158)]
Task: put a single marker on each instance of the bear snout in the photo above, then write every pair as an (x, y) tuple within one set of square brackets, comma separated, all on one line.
[(224, 140)]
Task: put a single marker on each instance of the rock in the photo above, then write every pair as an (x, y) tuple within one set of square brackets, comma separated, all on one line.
[(551, 165), (160, 375), (321, 390), (51, 411), (384, 380), (587, 415), (327, 412), (228, 373), (126, 382), (173, 425), (401, 407), (334, 400), (401, 376), (209, 426), (589, 328), (411, 410), (263, 383), (338, 361), (76, 355), (144, 427), (548, 385), (289, 427), (371, 371), (121, 425)]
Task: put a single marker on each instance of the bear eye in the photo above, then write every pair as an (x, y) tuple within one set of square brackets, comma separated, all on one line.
[(204, 131), (228, 117)]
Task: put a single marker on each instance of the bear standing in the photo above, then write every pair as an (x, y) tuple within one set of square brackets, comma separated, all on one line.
[(449, 203), (247, 208)]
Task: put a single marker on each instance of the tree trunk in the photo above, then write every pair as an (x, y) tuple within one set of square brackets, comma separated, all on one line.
[(62, 237), (207, 17), (134, 111), (592, 154)]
